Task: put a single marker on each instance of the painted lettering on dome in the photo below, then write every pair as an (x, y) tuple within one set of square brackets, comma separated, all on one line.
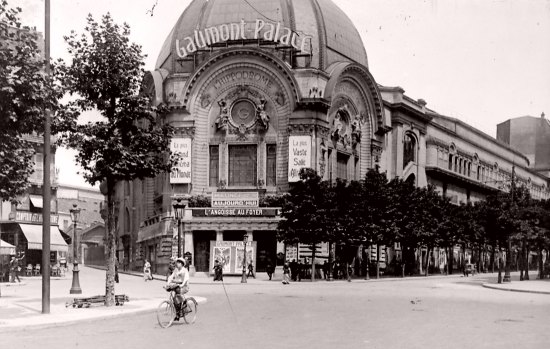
[(259, 30), (250, 76)]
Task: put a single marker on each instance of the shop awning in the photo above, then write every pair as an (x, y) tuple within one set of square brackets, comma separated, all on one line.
[(33, 233), (6, 248), (36, 201)]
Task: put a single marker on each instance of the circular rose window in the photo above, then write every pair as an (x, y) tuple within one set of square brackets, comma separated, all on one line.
[(243, 112)]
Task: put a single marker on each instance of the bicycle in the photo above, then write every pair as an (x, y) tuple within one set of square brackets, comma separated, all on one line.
[(166, 311)]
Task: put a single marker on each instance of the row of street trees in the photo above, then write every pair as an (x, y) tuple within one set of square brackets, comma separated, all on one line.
[(377, 211), (104, 74)]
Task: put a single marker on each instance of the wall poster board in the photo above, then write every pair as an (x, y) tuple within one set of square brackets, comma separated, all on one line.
[(231, 255)]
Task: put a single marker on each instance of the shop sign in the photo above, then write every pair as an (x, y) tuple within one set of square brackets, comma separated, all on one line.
[(235, 212), (235, 199), (34, 217), (259, 30), (181, 173), (299, 156)]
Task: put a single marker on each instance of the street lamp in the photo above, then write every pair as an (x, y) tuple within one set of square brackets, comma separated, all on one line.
[(75, 288), (245, 240), (179, 211)]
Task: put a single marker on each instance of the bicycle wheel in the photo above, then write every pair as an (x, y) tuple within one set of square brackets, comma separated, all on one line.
[(190, 311), (166, 312)]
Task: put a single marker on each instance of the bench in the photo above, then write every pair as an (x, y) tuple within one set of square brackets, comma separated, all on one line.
[(86, 302)]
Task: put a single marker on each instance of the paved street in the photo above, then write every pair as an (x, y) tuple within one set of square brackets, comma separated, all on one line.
[(450, 312)]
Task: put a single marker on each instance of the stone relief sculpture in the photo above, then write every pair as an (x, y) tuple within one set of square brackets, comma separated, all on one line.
[(263, 118), (356, 130), (223, 117)]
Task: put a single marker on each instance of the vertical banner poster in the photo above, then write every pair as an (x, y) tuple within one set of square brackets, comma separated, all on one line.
[(181, 173), (299, 156), (223, 255), (240, 258)]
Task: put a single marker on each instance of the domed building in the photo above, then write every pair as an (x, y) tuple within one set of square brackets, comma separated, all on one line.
[(259, 89), (255, 95)]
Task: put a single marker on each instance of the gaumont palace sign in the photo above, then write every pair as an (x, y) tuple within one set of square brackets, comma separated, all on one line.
[(259, 30)]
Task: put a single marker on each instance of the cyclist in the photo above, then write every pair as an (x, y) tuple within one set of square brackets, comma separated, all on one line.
[(179, 281)]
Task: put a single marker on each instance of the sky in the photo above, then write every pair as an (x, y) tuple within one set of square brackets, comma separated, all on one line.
[(481, 61)]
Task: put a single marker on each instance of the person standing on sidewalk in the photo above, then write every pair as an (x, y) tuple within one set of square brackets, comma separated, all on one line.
[(251, 270), (270, 269), (147, 271), (218, 271), (286, 273)]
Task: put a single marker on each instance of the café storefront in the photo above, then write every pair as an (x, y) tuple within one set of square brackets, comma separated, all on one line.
[(25, 234)]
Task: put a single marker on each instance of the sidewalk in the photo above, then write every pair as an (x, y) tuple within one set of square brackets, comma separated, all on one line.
[(528, 286), (21, 303)]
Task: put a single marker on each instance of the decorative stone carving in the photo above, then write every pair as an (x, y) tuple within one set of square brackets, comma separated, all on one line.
[(242, 132), (300, 130), (356, 130), (280, 97), (376, 152), (223, 118), (206, 100), (261, 114)]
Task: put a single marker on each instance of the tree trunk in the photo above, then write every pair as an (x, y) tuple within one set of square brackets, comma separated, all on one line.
[(541, 265), (526, 256), (377, 261), (313, 249), (330, 276), (450, 261), (427, 261), (110, 244), (493, 258)]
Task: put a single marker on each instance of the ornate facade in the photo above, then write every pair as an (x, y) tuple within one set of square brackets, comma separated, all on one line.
[(255, 95)]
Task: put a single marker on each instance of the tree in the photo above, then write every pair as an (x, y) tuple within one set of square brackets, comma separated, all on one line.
[(129, 143), (25, 92), (306, 213)]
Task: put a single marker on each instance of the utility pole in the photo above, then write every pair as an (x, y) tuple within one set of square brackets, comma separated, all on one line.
[(46, 187)]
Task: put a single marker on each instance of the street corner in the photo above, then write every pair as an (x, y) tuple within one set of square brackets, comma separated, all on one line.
[(535, 287)]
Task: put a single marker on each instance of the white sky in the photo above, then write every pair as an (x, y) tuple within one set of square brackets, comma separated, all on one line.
[(481, 61)]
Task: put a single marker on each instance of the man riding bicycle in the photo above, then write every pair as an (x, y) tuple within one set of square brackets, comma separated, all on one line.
[(179, 282)]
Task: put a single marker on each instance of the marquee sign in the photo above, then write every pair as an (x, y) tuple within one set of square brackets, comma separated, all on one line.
[(235, 212), (260, 30), (235, 199)]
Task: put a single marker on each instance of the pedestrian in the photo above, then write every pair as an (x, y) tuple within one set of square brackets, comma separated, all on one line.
[(294, 269), (171, 267), (251, 270), (13, 266), (218, 271), (286, 273), (270, 269), (147, 271), (116, 270), (325, 269)]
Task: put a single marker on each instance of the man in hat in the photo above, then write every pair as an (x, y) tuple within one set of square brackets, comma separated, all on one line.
[(180, 280)]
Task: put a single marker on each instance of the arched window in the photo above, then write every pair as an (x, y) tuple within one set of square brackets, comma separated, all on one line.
[(409, 149)]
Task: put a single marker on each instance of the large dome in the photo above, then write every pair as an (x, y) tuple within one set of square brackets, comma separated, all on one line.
[(331, 36)]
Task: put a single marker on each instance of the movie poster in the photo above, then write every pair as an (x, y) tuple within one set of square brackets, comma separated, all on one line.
[(223, 255), (240, 258)]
